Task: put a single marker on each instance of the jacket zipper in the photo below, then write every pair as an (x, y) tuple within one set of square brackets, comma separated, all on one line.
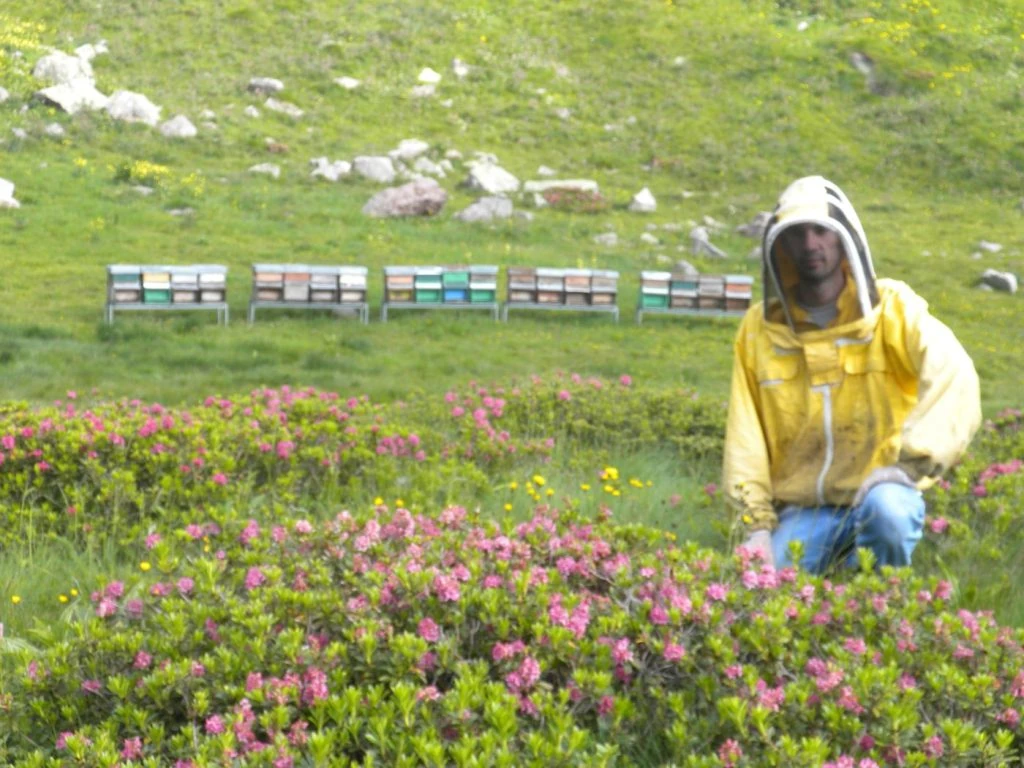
[(826, 394)]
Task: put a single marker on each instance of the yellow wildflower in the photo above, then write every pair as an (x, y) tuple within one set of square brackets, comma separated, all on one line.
[(15, 599), (538, 479), (144, 565)]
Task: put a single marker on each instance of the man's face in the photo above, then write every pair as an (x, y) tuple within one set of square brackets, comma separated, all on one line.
[(816, 250)]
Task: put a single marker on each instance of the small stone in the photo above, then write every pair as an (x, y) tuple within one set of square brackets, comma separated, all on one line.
[(459, 68), (990, 247), (284, 107), (266, 85), (348, 83), (409, 149), (142, 189), (375, 168), (251, 111), (423, 91), (545, 171), (679, 61), (486, 209), (181, 211), (207, 114), (643, 202), (523, 215), (648, 238), (19, 133), (56, 130), (452, 154), (608, 239), (802, 26), (1000, 281), (268, 169), (4, 95), (429, 76), (178, 127), (563, 113)]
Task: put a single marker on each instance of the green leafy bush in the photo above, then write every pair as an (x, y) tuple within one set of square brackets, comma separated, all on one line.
[(442, 639)]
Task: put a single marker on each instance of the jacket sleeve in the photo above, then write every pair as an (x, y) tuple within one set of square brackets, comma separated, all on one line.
[(948, 412), (746, 477)]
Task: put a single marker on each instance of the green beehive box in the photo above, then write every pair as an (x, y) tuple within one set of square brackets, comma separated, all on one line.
[(456, 279), (654, 301), (428, 296), (481, 295), (156, 296)]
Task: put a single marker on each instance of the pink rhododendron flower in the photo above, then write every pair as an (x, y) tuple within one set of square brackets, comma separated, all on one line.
[(430, 693), (132, 748), (855, 645), (429, 630), (605, 705), (91, 686), (938, 525), (220, 479), (254, 578), (626, 380), (729, 753), (185, 585), (674, 652)]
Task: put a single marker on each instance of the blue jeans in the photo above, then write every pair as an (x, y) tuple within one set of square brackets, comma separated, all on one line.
[(888, 522)]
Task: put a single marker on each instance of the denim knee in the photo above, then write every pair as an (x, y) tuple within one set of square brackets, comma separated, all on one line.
[(890, 521)]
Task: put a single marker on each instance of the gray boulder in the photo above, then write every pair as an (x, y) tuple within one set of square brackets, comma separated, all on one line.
[(58, 67), (73, 97), (90, 51), (491, 179), (486, 209), (325, 169), (265, 85), (178, 127), (999, 281), (423, 197), (643, 202), (375, 168), (579, 185), (133, 108), (700, 242)]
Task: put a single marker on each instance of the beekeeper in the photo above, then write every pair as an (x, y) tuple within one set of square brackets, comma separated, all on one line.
[(848, 398)]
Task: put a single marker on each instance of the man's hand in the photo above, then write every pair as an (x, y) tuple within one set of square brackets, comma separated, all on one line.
[(890, 474), (761, 541)]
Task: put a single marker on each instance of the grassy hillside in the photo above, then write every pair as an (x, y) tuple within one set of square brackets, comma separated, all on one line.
[(714, 106)]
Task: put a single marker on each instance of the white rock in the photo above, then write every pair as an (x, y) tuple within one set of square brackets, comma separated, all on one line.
[(209, 125), (4, 95), (9, 202), (679, 61), (90, 51), (579, 185), (648, 238), (409, 149), (523, 215), (56, 130), (460, 68), (486, 209), (545, 171), (671, 226), (181, 211), (563, 113), (6, 189), (132, 108), (607, 238), (73, 97), (651, 227), (284, 107), (539, 201), (267, 168), (58, 67), (251, 111), (755, 228), (348, 83), (324, 169), (178, 127), (686, 267), (427, 75), (1000, 281), (423, 91), (990, 247), (802, 26), (492, 179), (643, 202), (485, 157), (446, 103), (446, 165), (19, 133), (142, 189), (452, 154), (428, 167), (266, 85), (375, 168), (207, 114), (631, 120), (700, 243)]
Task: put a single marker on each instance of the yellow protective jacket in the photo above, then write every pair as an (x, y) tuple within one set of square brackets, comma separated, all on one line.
[(813, 411)]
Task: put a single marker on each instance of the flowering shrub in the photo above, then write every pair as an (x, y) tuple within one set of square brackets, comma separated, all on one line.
[(974, 527), (575, 200), (72, 469), (407, 639)]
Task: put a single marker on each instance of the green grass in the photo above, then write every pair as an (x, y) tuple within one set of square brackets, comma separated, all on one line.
[(933, 165)]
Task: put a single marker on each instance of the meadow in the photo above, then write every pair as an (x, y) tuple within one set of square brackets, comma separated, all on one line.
[(445, 540)]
